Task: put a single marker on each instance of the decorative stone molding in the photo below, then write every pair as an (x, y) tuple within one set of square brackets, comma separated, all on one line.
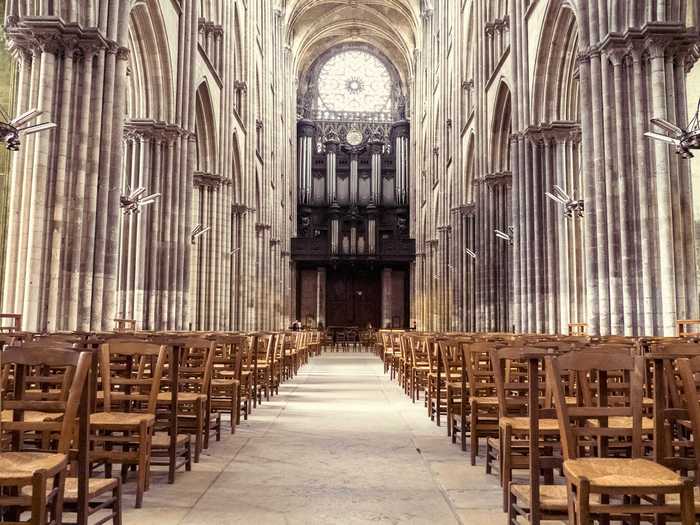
[(208, 180), (468, 210), (503, 178), (150, 129), (52, 35), (240, 209)]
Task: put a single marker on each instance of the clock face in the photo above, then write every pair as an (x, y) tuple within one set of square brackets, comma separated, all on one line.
[(354, 137)]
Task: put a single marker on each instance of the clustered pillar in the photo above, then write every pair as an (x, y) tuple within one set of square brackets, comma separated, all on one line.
[(61, 248), (644, 270)]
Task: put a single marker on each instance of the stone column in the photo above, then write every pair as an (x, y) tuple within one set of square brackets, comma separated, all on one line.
[(320, 296), (387, 300)]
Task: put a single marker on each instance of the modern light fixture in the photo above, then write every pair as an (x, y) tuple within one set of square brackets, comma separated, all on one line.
[(12, 129), (132, 203), (234, 251), (198, 231), (470, 253), (572, 207), (683, 139), (508, 237)]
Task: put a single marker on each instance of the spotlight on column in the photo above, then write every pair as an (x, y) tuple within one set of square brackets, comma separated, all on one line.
[(198, 231), (508, 237), (11, 130), (572, 207), (470, 253), (234, 251), (134, 200), (682, 139)]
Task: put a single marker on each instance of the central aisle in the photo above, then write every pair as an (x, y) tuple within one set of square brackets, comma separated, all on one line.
[(340, 444)]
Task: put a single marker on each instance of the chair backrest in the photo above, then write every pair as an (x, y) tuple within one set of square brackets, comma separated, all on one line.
[(509, 366), (588, 421), (122, 367), (70, 370), (196, 365), (265, 346), (479, 370), (449, 348), (229, 354), (689, 370), (10, 323), (685, 327)]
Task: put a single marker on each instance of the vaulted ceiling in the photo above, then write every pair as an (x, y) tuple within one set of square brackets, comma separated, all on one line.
[(316, 26)]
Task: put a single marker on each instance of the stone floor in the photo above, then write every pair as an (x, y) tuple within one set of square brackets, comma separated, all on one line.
[(341, 444)]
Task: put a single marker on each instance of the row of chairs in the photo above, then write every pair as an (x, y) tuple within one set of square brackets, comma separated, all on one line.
[(603, 428), (75, 405)]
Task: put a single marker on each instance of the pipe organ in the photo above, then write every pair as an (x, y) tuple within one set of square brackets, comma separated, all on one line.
[(353, 213)]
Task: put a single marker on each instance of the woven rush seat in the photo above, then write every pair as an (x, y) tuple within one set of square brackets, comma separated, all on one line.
[(486, 400), (161, 440), (225, 382), (626, 422), (522, 424), (96, 487), (609, 473), (19, 467), (182, 397), (31, 416), (117, 420), (552, 497)]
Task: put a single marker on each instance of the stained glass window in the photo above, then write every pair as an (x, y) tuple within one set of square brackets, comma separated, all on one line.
[(354, 80)]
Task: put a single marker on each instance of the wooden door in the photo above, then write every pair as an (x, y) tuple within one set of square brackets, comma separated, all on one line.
[(353, 297)]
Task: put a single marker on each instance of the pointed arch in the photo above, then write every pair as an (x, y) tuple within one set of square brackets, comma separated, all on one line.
[(236, 172), (556, 93), (469, 170), (501, 130), (205, 130), (150, 87)]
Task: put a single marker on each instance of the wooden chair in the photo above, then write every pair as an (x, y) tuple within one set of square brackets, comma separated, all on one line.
[(226, 380), (688, 463), (388, 352), (419, 369), (482, 407), (577, 329), (247, 393), (684, 327), (437, 405), (510, 366), (124, 325), (42, 428), (627, 487), (10, 323), (449, 349), (264, 364), (195, 369), (129, 401)]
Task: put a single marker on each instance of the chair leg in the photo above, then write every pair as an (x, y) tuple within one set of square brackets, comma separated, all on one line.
[(687, 504), (206, 423), (142, 466), (39, 502), (117, 504), (199, 431), (188, 455), (473, 439)]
